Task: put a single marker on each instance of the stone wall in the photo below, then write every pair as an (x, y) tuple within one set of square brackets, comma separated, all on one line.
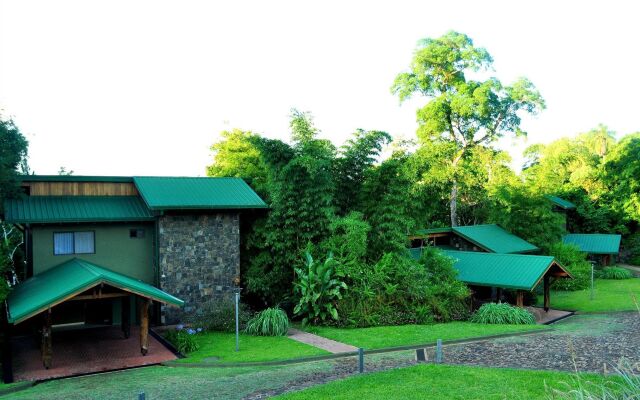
[(199, 258)]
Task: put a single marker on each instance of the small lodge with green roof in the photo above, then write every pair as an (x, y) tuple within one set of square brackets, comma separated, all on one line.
[(490, 259), (602, 248), (104, 251)]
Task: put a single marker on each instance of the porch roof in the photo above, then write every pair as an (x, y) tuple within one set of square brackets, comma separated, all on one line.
[(594, 243), (69, 279)]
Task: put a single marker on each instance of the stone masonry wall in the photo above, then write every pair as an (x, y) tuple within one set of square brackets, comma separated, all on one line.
[(199, 258)]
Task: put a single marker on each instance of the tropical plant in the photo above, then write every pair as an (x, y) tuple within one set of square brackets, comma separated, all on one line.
[(615, 273), (318, 290), (269, 322), (502, 313)]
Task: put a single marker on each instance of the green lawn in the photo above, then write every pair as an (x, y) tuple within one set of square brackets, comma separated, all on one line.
[(609, 295), (405, 335), (441, 382), (252, 348)]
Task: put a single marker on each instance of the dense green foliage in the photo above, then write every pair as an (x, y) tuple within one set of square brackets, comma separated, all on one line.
[(360, 201), (318, 289), (182, 340), (462, 112), (269, 322), (13, 161), (615, 273), (502, 313), (575, 262)]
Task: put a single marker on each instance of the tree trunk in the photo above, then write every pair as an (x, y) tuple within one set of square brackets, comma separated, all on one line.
[(453, 204)]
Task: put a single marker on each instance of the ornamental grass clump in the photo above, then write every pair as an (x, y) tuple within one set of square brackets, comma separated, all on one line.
[(502, 313), (269, 322), (615, 273)]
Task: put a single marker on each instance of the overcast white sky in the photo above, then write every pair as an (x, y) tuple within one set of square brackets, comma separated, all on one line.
[(145, 87)]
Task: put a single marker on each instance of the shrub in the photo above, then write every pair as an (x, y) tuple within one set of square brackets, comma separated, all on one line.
[(318, 290), (575, 262), (183, 339), (502, 313), (219, 315), (615, 273), (401, 290), (269, 322)]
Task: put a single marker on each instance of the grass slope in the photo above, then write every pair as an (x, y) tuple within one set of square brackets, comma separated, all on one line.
[(252, 348), (390, 336), (440, 382), (164, 383), (609, 295)]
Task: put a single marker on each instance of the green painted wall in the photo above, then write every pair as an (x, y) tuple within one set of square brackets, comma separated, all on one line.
[(114, 249)]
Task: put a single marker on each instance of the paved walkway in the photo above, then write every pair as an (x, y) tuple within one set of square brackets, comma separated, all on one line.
[(633, 268), (318, 341), (545, 317), (85, 351)]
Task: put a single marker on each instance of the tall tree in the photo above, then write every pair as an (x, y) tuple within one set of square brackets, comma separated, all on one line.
[(13, 155), (356, 157), (462, 111)]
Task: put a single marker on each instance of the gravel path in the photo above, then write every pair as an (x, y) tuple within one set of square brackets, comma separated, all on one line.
[(587, 342)]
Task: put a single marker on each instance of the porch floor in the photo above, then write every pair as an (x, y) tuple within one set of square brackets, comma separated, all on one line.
[(84, 351)]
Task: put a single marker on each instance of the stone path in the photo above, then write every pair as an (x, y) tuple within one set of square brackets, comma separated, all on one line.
[(318, 341), (544, 317)]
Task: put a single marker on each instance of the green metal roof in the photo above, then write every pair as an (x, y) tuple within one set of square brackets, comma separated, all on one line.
[(69, 279), (594, 243), (562, 203), (510, 271), (434, 230), (493, 238), (75, 178), (165, 193), (57, 209)]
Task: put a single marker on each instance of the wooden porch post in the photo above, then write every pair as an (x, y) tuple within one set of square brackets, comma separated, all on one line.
[(520, 299), (125, 316), (47, 351), (547, 300), (144, 326), (498, 294)]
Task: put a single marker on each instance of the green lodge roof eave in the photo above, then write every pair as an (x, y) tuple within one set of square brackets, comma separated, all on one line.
[(69, 279), (494, 238), (206, 207), (562, 203)]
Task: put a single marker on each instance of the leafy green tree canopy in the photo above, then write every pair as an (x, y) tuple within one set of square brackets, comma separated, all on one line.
[(460, 110)]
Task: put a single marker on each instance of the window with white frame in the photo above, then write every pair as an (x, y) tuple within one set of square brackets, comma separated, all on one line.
[(74, 243)]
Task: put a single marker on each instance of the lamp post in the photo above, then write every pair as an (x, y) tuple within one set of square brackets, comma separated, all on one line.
[(592, 267), (237, 301)]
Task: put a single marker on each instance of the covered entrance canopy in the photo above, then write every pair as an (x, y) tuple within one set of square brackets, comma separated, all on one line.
[(506, 271), (78, 279)]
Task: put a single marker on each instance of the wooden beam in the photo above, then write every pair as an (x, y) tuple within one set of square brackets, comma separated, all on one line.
[(125, 316), (144, 326), (99, 296), (547, 291), (45, 345), (520, 298), (498, 294)]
